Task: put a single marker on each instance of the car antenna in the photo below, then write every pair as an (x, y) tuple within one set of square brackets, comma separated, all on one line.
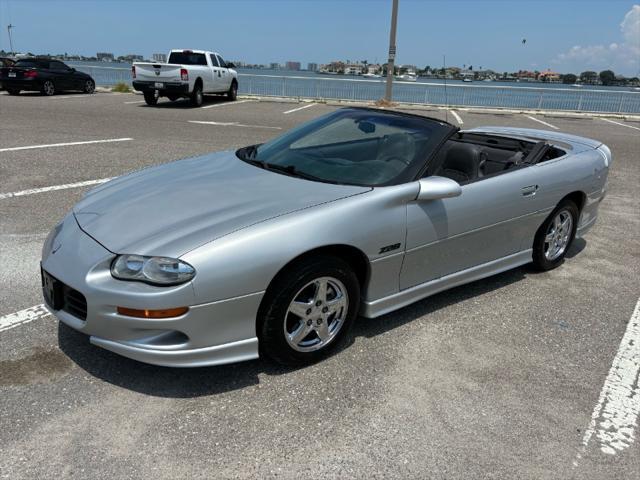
[(446, 98)]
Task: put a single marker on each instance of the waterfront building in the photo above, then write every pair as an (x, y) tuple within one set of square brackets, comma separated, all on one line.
[(312, 67), (159, 57), (274, 66), (549, 76), (292, 65), (353, 69)]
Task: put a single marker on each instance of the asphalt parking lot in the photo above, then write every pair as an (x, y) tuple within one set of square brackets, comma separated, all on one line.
[(515, 376)]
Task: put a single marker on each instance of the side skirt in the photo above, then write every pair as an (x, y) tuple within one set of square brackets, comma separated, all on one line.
[(406, 297)]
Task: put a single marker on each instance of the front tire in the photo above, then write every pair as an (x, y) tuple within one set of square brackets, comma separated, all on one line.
[(555, 236), (232, 94), (151, 98), (196, 97), (48, 88), (308, 311)]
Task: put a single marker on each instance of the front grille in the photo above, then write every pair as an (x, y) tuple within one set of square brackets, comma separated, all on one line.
[(74, 302)]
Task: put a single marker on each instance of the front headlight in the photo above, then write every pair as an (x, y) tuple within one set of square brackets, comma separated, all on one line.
[(153, 270)]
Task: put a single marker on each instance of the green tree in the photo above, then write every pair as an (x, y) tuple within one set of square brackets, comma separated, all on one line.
[(607, 77), (569, 78), (589, 76)]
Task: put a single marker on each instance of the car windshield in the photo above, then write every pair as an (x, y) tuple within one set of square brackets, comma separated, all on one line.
[(353, 146), (31, 63)]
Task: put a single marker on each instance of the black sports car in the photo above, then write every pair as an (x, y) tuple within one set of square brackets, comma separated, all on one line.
[(44, 75)]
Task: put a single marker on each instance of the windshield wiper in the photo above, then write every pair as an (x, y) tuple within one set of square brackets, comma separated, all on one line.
[(286, 169)]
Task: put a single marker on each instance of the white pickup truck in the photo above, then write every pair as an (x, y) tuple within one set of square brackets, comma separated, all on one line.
[(187, 74)]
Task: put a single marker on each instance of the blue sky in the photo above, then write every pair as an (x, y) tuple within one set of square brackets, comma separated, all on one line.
[(563, 35)]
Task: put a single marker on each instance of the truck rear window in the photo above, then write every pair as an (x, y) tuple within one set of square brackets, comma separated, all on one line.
[(183, 58)]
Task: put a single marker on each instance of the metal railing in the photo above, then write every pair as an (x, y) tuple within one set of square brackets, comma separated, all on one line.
[(431, 93), (493, 96)]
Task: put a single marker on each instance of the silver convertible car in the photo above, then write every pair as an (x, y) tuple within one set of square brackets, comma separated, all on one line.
[(276, 248)]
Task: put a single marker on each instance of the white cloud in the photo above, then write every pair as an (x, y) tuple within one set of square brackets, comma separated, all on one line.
[(621, 57)]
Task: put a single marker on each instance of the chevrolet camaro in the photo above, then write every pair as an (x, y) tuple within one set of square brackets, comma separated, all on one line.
[(276, 248)]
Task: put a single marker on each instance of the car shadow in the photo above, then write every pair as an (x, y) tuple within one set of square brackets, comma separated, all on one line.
[(196, 382), (186, 103)]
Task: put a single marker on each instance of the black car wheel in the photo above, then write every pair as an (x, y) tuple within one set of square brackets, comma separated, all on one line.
[(196, 96), (89, 86), (13, 91), (555, 236), (232, 94), (48, 88), (308, 310), (151, 97)]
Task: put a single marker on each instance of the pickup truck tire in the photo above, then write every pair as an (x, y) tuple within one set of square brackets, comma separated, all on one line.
[(151, 98), (232, 94), (196, 95)]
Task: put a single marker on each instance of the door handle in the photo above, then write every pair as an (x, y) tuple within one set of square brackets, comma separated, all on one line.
[(529, 191)]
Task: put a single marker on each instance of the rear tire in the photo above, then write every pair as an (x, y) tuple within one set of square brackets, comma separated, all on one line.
[(151, 98), (48, 88), (196, 96), (555, 236), (232, 94), (326, 313), (13, 91), (89, 86)]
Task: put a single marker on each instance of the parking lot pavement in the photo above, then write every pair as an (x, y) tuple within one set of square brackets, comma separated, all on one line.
[(496, 379)]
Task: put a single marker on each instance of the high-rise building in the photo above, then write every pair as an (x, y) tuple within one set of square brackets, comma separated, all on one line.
[(292, 65), (312, 67), (159, 57), (274, 66)]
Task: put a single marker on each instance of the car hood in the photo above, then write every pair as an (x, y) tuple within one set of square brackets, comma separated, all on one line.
[(171, 209)]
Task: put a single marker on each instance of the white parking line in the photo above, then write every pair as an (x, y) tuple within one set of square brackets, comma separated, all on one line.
[(621, 124), (300, 108), (23, 316), (13, 149), (616, 414), (226, 103), (135, 101), (457, 117), (52, 188), (232, 124), (542, 122)]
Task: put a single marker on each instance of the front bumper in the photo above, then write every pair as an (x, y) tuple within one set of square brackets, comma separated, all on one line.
[(212, 333), (167, 88)]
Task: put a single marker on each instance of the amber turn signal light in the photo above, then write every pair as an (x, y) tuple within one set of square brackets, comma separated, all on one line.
[(166, 313)]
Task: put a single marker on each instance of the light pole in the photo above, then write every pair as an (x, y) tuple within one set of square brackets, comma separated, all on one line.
[(392, 50), (9, 27)]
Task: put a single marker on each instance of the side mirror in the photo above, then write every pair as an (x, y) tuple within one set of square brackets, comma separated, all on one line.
[(230, 65), (434, 188), (72, 70)]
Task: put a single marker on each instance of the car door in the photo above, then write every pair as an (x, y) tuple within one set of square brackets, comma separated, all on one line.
[(226, 75), (487, 222), (216, 74), (62, 75)]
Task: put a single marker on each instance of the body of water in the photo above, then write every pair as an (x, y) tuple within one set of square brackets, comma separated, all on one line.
[(303, 84)]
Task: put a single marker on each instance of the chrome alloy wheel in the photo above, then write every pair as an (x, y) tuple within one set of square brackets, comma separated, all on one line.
[(48, 88), (316, 314), (89, 86), (558, 234)]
